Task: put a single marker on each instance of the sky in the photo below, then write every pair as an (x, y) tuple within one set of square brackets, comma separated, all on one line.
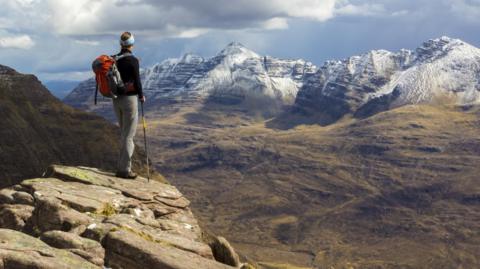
[(58, 39)]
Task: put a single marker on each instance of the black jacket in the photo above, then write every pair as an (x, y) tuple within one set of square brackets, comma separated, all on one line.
[(129, 69)]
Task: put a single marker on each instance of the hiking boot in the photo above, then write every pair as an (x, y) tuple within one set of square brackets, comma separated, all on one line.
[(126, 175)]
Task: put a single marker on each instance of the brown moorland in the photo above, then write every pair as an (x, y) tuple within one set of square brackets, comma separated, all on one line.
[(397, 190)]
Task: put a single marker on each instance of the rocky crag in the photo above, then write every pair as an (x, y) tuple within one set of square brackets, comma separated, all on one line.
[(78, 217), (37, 130)]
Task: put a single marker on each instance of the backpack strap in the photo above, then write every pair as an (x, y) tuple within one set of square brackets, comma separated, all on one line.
[(96, 91), (118, 57)]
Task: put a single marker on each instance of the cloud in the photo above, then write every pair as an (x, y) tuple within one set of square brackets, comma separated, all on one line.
[(400, 13), (17, 42), (185, 18), (276, 24), (87, 42), (470, 9), (360, 10), (20, 15), (68, 34)]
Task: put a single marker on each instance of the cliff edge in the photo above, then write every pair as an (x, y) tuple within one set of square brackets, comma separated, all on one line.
[(79, 217)]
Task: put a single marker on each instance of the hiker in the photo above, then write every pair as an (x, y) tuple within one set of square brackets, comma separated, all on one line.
[(126, 105)]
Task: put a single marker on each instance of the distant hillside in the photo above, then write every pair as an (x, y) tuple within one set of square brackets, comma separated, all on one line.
[(397, 190), (442, 70), (261, 85), (60, 88), (37, 130)]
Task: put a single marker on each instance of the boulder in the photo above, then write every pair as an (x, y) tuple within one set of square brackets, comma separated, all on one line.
[(98, 231), (128, 250), (132, 224), (15, 217), (88, 249), (179, 203), (6, 196), (23, 198), (18, 250), (224, 252), (51, 214)]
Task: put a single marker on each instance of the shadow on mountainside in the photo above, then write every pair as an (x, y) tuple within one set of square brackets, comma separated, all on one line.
[(329, 110), (233, 111), (37, 129)]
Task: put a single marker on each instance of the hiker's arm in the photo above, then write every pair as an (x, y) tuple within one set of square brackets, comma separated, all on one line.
[(136, 79)]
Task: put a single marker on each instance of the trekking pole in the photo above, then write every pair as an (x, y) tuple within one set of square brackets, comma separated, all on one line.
[(145, 140)]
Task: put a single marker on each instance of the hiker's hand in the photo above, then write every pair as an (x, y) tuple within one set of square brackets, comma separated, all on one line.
[(143, 99)]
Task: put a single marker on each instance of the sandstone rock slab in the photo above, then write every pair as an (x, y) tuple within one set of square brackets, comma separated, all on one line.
[(89, 218), (81, 197), (18, 250), (88, 249), (15, 217), (130, 251), (130, 188), (50, 214), (130, 223)]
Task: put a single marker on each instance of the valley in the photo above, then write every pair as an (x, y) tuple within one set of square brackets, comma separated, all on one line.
[(390, 191)]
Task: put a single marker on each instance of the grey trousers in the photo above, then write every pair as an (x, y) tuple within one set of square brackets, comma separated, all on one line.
[(126, 109)]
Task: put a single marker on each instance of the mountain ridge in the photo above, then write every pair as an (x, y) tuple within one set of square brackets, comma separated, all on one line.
[(359, 85), (234, 74), (442, 68)]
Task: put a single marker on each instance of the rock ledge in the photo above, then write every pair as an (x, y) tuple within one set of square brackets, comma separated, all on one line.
[(80, 217)]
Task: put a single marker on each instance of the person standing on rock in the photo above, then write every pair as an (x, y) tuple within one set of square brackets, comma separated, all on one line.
[(126, 105)]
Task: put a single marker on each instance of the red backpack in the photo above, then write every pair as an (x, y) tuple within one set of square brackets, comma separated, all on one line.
[(107, 76)]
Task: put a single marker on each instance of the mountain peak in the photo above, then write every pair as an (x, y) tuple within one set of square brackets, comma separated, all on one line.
[(5, 70), (440, 47), (191, 58), (237, 48), (235, 44), (443, 43)]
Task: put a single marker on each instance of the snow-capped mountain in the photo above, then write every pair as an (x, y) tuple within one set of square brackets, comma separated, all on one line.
[(234, 73), (441, 69)]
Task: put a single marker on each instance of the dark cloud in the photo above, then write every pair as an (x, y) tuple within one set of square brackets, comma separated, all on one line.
[(67, 35), (180, 18)]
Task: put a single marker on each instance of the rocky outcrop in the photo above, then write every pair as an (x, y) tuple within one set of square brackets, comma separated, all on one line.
[(88, 249), (79, 217), (18, 250)]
